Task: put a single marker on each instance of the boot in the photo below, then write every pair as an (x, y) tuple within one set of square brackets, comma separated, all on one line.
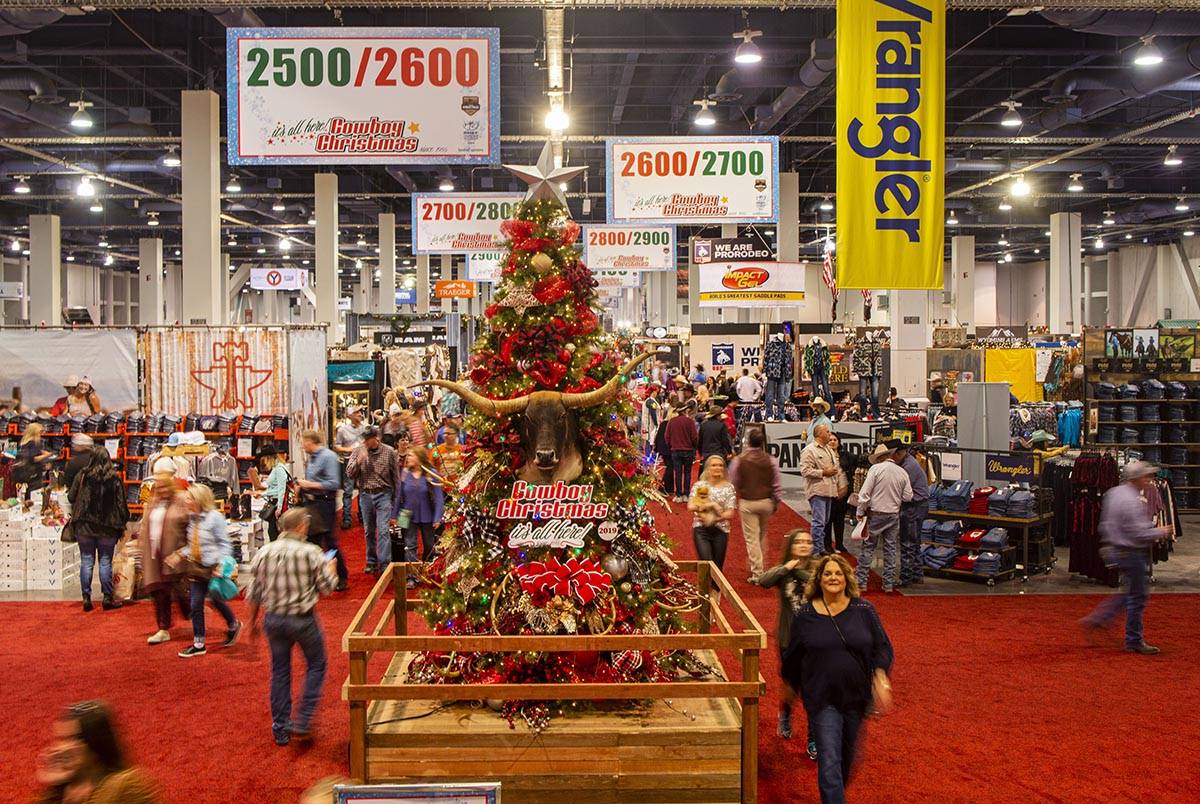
[(87, 602), (109, 603), (785, 722)]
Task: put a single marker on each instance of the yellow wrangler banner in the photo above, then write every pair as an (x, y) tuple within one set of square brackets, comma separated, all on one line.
[(891, 99)]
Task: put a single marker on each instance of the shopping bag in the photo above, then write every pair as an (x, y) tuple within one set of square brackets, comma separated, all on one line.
[(124, 568), (860, 531)]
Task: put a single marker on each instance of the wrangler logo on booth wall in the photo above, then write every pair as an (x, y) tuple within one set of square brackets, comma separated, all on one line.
[(890, 146)]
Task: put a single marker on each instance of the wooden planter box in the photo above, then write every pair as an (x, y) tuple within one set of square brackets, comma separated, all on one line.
[(683, 741)]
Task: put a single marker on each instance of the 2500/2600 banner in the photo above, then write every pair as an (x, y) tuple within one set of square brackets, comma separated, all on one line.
[(363, 95), (891, 97)]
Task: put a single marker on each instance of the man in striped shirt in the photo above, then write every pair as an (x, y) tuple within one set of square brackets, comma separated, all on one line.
[(289, 575)]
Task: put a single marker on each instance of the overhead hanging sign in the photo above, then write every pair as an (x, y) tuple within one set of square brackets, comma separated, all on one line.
[(750, 284), (406, 295), (891, 100), (450, 223), (278, 278), (729, 249), (344, 96), (485, 266), (454, 289), (629, 248), (692, 179)]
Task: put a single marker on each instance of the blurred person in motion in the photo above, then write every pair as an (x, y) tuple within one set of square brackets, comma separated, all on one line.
[(712, 503), (346, 439), (418, 491), (318, 492), (85, 764), (289, 576), (841, 504), (275, 490), (912, 514), (163, 531), (33, 459), (1127, 534), (99, 515), (375, 468), (208, 545), (714, 436), (683, 437), (759, 484), (838, 657)]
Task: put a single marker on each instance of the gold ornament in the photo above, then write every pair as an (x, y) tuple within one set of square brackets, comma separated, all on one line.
[(520, 299), (541, 262)]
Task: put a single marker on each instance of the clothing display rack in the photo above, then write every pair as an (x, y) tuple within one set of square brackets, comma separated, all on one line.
[(1023, 534)]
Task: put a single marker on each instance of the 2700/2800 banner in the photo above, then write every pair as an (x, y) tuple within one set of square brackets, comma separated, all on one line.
[(363, 95)]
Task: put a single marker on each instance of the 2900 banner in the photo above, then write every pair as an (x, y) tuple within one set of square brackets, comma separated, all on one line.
[(363, 95)]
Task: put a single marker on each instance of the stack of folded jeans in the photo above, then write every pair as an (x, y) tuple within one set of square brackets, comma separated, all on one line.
[(134, 470), (927, 528), (948, 532), (995, 539), (979, 500), (957, 497), (937, 557), (1176, 454), (935, 497), (94, 423), (1127, 413), (135, 422), (1022, 505), (987, 564), (1128, 391), (113, 422), (1152, 389), (1176, 413), (1106, 434), (1130, 435), (1107, 412), (1152, 454), (191, 421), (247, 424), (997, 503), (52, 425), (1175, 390), (170, 423), (154, 423), (225, 422), (1150, 413), (1106, 390)]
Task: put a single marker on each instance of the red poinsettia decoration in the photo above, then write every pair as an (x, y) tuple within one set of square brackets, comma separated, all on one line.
[(583, 580)]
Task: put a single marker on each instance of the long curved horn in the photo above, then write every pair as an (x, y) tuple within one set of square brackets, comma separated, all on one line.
[(490, 407), (606, 391)]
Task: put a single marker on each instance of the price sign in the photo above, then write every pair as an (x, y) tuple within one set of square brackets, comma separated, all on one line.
[(363, 95), (485, 266), (692, 179), (629, 248), (448, 223)]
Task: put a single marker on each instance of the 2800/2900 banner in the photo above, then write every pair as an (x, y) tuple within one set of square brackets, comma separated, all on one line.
[(891, 97)]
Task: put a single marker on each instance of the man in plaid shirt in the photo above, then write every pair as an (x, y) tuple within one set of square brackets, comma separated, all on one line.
[(375, 469)]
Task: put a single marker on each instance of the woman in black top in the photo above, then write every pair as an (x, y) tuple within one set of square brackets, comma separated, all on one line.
[(98, 518), (837, 513), (838, 657)]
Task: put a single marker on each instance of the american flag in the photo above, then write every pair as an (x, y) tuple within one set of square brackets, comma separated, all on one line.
[(827, 275)]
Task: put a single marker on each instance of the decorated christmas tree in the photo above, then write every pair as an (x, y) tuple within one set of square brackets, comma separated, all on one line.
[(548, 530)]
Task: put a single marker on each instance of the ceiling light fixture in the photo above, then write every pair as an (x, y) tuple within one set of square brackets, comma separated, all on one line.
[(1147, 54), (232, 240), (108, 259), (1188, 233), (1020, 188), (1075, 185), (153, 216), (178, 253), (70, 258), (557, 120), (312, 221), (261, 250), (171, 157), (1182, 206), (81, 120), (1007, 257), (15, 245), (747, 52), (1128, 236), (1172, 159), (234, 186), (362, 242), (1005, 205), (278, 206), (96, 207), (1108, 220), (1037, 251), (285, 244), (1099, 242), (22, 186), (103, 241), (951, 220), (85, 188), (1046, 233), (1003, 241), (826, 204), (446, 184), (704, 117), (1011, 118)]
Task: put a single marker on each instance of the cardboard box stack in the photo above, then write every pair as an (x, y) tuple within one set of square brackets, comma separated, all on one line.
[(15, 528), (32, 555)]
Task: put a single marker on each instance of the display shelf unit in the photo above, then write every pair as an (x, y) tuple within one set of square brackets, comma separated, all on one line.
[(1007, 564), (1017, 528)]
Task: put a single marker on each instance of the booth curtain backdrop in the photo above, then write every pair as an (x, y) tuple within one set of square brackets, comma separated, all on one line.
[(1016, 367), (217, 370), (39, 361)]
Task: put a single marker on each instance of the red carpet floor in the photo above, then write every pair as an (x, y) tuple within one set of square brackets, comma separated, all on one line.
[(999, 699)]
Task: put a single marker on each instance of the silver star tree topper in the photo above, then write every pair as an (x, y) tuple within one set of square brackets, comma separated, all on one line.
[(543, 178)]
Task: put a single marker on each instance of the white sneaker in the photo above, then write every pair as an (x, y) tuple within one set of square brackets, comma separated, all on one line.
[(158, 637)]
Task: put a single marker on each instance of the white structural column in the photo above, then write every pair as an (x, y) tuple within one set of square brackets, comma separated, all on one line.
[(447, 272), (45, 270), (201, 175), (387, 264), (1065, 287), (910, 336), (423, 285), (962, 278), (150, 281), (172, 293), (787, 233), (267, 311), (224, 283), (325, 193), (361, 302)]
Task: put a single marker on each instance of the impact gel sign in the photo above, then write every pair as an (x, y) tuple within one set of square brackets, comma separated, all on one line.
[(891, 97)]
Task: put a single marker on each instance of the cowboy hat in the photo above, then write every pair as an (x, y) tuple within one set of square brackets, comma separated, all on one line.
[(819, 404), (679, 378), (1138, 469), (881, 452), (71, 381), (934, 376)]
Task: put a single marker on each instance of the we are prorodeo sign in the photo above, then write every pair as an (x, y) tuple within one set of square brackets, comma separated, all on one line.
[(363, 95), (454, 223), (700, 180), (629, 248)]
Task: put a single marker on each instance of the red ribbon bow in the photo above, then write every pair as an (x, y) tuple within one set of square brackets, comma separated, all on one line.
[(583, 580)]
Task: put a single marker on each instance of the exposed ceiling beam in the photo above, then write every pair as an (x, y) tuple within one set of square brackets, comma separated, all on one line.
[(618, 112)]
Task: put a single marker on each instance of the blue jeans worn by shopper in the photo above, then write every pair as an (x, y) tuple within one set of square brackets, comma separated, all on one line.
[(348, 500), (88, 548), (681, 464), (428, 539), (375, 507), (836, 732), (1132, 597), (821, 509), (199, 594), (283, 632)]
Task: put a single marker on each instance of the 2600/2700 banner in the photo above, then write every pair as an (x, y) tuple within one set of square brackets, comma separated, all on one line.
[(363, 95)]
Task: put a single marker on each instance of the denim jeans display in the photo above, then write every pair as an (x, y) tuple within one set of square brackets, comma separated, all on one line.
[(283, 632), (777, 392), (869, 387), (820, 385)]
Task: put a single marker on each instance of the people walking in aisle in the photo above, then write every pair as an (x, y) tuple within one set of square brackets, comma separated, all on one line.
[(208, 545), (454, 423), (651, 415), (99, 515), (841, 505), (392, 425), (712, 503), (448, 456), (820, 411), (274, 493), (682, 439), (790, 577), (1127, 534), (375, 469), (885, 490), (418, 429), (756, 478), (912, 514), (820, 469), (419, 492), (318, 491), (663, 450), (778, 364), (838, 657), (346, 439), (86, 764), (33, 460), (289, 575), (713, 436), (748, 389), (163, 531)]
